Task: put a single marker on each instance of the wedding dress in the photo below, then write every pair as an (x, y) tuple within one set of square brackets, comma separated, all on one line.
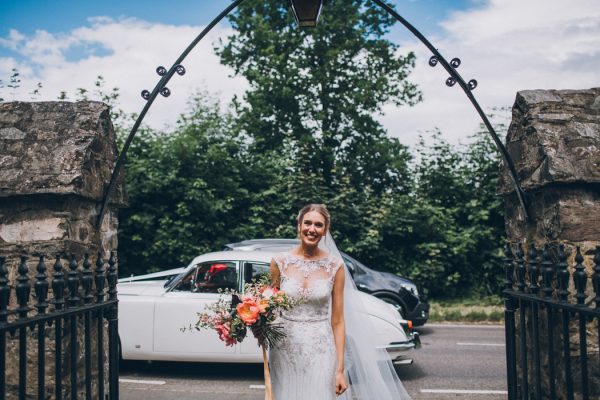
[(303, 364)]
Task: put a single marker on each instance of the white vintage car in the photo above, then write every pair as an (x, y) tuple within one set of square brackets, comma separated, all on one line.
[(154, 309)]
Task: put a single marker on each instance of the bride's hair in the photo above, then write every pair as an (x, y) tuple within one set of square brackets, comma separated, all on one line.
[(320, 208)]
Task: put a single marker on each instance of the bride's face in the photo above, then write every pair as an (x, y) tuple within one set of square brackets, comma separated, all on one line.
[(312, 228)]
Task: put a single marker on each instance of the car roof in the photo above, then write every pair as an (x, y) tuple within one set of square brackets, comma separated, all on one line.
[(272, 240), (234, 255), (275, 245)]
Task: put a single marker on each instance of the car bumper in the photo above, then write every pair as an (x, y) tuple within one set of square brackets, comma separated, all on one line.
[(419, 315), (397, 350)]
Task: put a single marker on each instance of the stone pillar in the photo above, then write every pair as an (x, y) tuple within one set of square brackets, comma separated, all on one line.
[(554, 141), (56, 159)]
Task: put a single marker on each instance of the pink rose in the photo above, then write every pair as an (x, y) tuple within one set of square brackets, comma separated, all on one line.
[(267, 293), (224, 334), (247, 297), (280, 296)]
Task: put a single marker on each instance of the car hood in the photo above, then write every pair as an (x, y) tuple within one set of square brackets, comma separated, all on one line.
[(149, 288), (379, 308), (396, 278), (384, 280)]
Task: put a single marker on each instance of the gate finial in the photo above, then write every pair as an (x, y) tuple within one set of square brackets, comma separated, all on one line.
[(41, 287), (534, 269), (596, 277), (100, 278), (23, 288), (520, 269), (86, 279), (73, 283), (547, 272), (580, 278), (563, 274), (58, 284), (4, 290)]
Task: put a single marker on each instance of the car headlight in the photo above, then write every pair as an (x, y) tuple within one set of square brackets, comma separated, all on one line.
[(411, 287)]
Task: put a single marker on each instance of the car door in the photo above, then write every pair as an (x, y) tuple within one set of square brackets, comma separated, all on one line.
[(251, 271), (176, 311)]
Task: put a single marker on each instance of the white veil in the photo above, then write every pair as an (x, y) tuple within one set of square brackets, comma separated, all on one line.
[(369, 368)]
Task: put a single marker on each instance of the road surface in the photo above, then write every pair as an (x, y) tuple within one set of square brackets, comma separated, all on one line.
[(460, 362)]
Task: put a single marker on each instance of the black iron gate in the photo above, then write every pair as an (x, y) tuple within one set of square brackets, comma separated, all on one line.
[(548, 327), (69, 327)]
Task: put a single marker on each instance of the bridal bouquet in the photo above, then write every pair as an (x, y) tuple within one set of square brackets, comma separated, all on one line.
[(256, 310)]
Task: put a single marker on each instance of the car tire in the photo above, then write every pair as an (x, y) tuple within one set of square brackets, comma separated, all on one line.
[(398, 305)]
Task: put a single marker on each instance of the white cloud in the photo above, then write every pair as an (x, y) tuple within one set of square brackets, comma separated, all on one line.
[(13, 40), (507, 45), (131, 51)]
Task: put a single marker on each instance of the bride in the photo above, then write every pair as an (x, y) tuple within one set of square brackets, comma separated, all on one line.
[(328, 342)]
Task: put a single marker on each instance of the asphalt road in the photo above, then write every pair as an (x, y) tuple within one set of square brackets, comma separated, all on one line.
[(458, 362), (455, 362)]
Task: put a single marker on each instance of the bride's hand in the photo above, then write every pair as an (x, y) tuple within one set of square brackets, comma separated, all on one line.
[(340, 383)]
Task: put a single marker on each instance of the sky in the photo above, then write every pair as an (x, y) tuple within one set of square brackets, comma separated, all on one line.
[(506, 45)]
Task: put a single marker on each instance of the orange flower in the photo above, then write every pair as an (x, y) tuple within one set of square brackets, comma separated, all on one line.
[(248, 311), (262, 305)]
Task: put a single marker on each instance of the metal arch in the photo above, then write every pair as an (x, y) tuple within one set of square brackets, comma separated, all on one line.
[(160, 88), (467, 88)]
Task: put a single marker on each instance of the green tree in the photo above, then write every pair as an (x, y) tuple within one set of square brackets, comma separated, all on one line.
[(312, 105), (314, 93), (453, 228), (186, 188), (307, 131)]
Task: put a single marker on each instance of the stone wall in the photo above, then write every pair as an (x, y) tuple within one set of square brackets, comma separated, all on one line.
[(56, 159), (554, 141)]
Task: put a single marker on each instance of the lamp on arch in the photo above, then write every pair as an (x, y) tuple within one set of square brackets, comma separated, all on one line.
[(307, 12)]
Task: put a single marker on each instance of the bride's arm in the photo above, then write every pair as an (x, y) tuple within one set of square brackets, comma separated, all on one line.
[(339, 329), (274, 274)]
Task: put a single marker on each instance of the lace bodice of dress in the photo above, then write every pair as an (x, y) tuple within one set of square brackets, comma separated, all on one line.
[(308, 280)]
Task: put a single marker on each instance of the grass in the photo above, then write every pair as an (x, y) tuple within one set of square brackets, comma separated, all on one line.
[(486, 310)]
